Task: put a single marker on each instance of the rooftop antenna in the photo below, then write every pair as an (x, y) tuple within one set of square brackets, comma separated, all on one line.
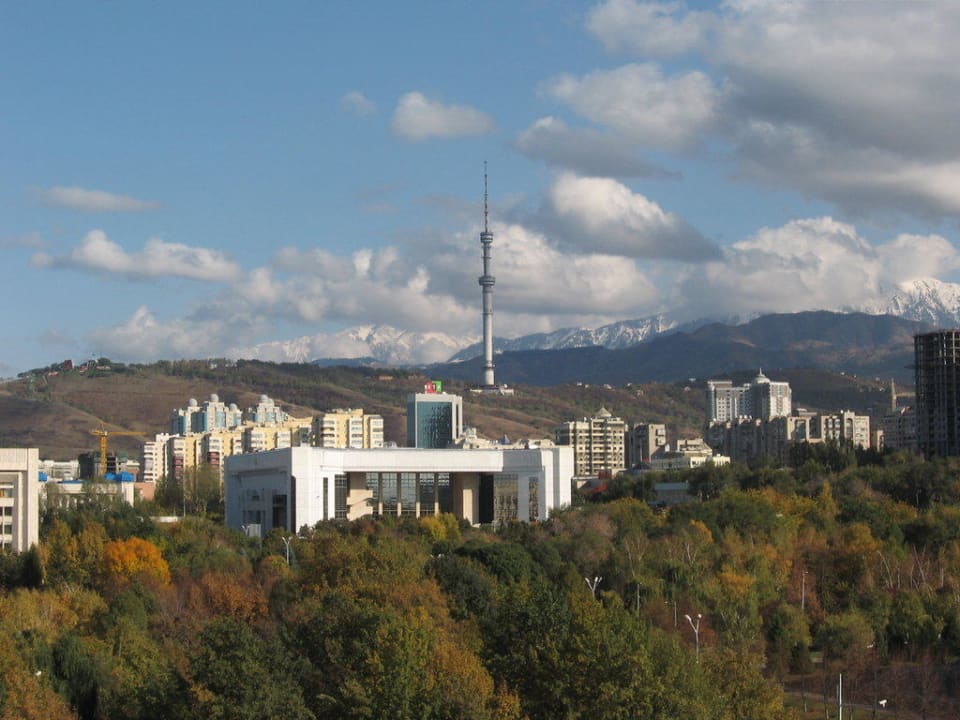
[(485, 213)]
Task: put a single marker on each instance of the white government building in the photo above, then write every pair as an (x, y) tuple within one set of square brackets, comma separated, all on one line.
[(299, 486), (19, 498)]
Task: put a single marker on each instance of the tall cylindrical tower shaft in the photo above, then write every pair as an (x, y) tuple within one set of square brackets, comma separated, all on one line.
[(487, 282)]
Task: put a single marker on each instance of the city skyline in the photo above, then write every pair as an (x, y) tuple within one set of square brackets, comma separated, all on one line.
[(197, 181)]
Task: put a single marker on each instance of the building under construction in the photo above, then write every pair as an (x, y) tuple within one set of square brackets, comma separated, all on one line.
[(937, 368)]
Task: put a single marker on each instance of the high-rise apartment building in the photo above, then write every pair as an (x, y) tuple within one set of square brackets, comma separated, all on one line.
[(899, 429), (762, 399), (212, 415), (434, 419), (343, 428), (937, 374), (643, 440), (769, 399), (843, 426), (598, 443), (724, 400), (208, 434), (267, 412)]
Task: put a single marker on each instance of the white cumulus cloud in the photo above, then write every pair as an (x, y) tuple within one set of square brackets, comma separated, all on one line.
[(92, 201), (648, 28), (816, 263), (585, 151), (601, 215), (417, 117), (642, 105), (852, 102), (158, 258)]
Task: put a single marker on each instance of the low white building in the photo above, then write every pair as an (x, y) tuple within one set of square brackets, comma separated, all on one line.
[(76, 493), (19, 498), (688, 455), (300, 486)]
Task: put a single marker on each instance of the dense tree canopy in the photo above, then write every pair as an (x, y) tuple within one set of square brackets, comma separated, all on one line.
[(766, 580)]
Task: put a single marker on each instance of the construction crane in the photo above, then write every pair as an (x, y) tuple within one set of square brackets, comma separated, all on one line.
[(103, 434)]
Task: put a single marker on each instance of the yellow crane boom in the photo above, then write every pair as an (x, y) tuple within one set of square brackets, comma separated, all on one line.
[(103, 434)]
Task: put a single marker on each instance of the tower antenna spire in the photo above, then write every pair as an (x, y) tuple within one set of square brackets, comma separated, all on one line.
[(485, 196), (487, 282)]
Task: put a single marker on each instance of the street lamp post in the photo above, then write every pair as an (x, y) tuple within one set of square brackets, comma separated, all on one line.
[(592, 584), (696, 631), (286, 542)]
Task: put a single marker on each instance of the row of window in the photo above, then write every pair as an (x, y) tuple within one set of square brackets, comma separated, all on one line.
[(393, 492)]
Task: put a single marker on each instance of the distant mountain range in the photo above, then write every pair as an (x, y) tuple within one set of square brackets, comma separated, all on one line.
[(614, 336), (928, 301), (856, 343)]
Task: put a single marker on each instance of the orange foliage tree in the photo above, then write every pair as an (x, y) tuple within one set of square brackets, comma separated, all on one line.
[(134, 559)]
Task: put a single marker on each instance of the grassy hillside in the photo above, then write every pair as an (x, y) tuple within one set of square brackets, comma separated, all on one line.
[(59, 411), (56, 413)]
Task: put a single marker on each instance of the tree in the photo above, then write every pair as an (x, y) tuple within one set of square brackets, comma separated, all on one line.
[(238, 675), (844, 636), (134, 559), (80, 674), (744, 692)]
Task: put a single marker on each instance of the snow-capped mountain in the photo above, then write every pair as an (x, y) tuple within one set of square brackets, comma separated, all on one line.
[(927, 300), (615, 335), (383, 343)]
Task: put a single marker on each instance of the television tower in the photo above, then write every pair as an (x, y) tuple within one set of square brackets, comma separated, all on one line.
[(487, 282)]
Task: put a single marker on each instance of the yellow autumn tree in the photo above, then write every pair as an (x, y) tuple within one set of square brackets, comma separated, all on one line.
[(134, 559)]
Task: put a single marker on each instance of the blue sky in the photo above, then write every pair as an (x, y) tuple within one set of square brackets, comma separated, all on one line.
[(251, 179)]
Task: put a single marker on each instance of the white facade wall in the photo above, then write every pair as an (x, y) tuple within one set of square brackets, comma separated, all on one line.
[(680, 461), (300, 482), (19, 498)]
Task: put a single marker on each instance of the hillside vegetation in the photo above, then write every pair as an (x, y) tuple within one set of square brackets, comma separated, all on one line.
[(57, 412), (844, 563)]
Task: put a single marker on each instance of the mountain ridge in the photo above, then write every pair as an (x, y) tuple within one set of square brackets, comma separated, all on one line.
[(933, 302)]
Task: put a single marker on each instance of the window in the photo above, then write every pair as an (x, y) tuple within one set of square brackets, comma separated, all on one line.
[(388, 486), (534, 504), (280, 512), (408, 493), (428, 493), (340, 489), (504, 498), (444, 496)]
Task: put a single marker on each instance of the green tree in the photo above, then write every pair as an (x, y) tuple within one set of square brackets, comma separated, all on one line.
[(237, 675), (79, 673)]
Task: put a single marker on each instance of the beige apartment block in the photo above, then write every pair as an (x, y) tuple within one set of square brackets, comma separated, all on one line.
[(599, 443), (348, 428)]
